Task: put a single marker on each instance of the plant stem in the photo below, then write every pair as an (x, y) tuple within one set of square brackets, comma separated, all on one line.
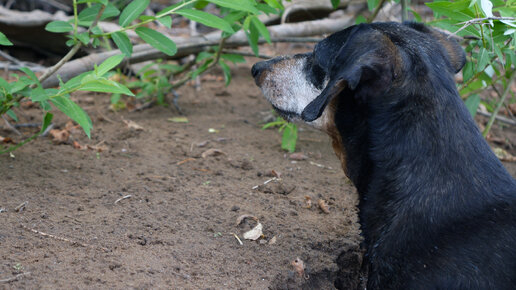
[(376, 10), (404, 10), (500, 104)]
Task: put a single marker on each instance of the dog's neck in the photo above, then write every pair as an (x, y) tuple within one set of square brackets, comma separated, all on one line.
[(387, 148)]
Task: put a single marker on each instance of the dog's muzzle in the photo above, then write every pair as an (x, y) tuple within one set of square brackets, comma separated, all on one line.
[(257, 71)]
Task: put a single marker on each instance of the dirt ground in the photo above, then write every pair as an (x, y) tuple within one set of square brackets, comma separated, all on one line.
[(175, 228)]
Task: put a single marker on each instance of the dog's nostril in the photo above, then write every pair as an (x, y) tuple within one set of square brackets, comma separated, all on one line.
[(257, 68)]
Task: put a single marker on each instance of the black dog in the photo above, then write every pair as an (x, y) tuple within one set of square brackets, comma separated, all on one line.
[(437, 208)]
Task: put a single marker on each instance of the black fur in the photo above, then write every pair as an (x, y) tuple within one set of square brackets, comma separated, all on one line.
[(437, 208)]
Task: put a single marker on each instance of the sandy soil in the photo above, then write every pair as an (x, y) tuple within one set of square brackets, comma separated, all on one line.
[(176, 228)]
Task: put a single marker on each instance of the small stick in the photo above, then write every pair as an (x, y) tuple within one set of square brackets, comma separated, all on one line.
[(14, 278), (21, 207), (184, 161), (267, 181), (122, 198), (64, 239), (238, 239)]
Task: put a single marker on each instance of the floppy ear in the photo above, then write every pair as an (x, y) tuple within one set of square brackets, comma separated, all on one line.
[(365, 76)]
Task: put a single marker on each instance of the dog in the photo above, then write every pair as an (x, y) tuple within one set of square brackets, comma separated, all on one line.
[(437, 209)]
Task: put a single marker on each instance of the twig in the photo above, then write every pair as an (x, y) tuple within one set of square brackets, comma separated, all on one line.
[(10, 127), (375, 12), (63, 239), (21, 207), (33, 67), (14, 278), (498, 118), (404, 10), (238, 239), (499, 105), (465, 24), (10, 58), (267, 181), (122, 198)]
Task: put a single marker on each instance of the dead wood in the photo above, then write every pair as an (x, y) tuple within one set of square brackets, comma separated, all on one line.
[(192, 45)]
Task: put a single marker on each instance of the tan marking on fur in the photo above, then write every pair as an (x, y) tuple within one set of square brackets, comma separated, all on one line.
[(331, 129)]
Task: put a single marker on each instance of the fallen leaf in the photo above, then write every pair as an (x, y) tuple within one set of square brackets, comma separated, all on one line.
[(178, 120), (512, 107), (212, 152), (76, 145), (59, 136), (504, 155), (308, 201), (132, 125), (272, 241), (323, 205), (299, 267), (241, 218), (275, 173), (6, 140), (298, 156), (255, 233)]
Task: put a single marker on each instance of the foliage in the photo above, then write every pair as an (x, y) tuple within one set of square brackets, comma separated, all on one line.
[(289, 136), (236, 15), (490, 27)]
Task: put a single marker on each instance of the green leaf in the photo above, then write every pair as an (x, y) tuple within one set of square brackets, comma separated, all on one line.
[(76, 113), (32, 76), (123, 42), (261, 28), (132, 11), (274, 4), (371, 4), (234, 58), (335, 3), (11, 114), (110, 63), (83, 37), (157, 40), (239, 5), (266, 8), (105, 86), (482, 59), (166, 21), (58, 26), (226, 70), (46, 122), (472, 103), (4, 40), (252, 37), (289, 138), (206, 19), (89, 14), (360, 19)]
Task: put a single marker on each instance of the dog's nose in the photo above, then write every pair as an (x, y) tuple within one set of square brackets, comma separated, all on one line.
[(258, 68)]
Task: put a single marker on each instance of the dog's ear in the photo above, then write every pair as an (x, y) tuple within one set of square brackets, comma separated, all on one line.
[(365, 70)]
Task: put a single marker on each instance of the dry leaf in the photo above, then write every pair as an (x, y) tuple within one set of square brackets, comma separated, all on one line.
[(212, 152), (6, 140), (308, 202), (76, 145), (298, 156), (299, 267), (504, 155), (255, 233), (323, 205), (276, 173), (272, 241), (178, 120), (241, 218), (59, 136), (132, 125)]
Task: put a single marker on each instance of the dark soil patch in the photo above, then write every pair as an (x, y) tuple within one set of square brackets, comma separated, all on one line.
[(176, 229)]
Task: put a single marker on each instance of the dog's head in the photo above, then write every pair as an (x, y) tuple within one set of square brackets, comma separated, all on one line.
[(364, 61)]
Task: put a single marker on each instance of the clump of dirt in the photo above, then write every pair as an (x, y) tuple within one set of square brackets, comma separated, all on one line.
[(155, 206)]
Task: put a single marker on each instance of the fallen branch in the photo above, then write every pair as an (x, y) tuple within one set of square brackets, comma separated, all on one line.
[(193, 45)]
